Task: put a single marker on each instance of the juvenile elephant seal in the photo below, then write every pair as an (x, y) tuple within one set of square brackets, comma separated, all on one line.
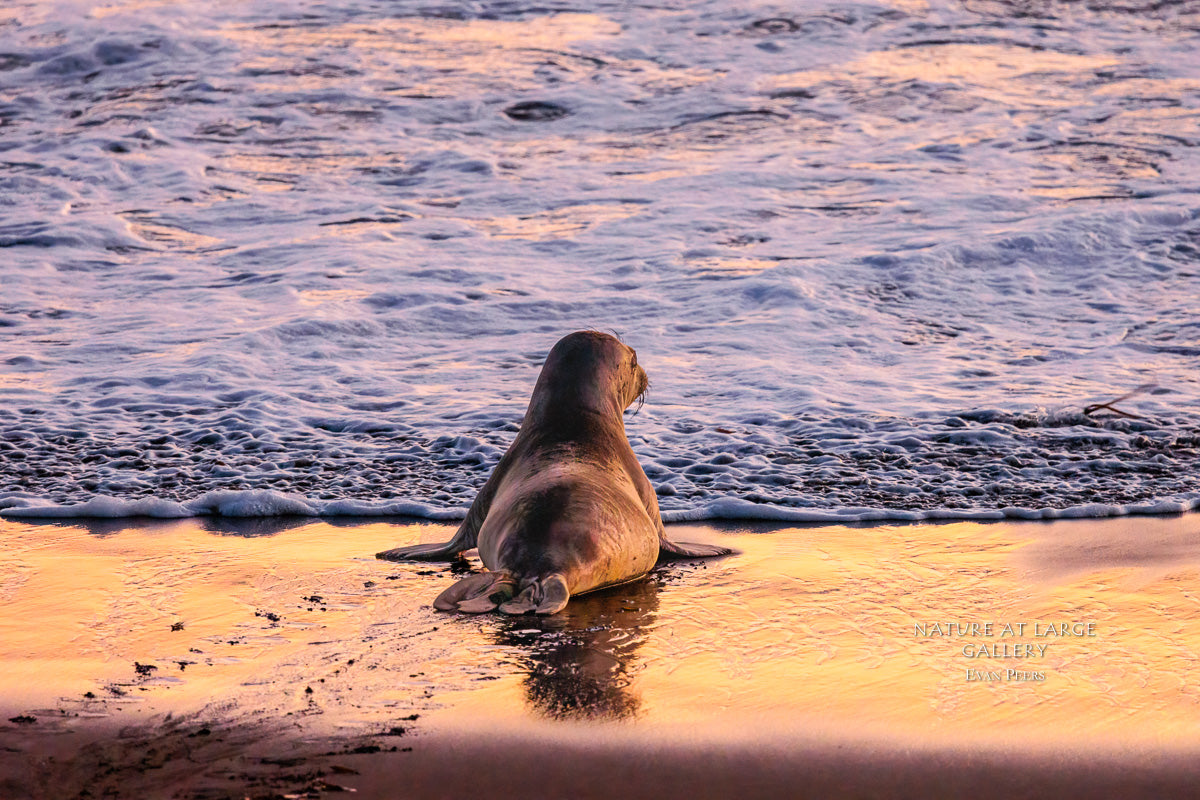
[(568, 509)]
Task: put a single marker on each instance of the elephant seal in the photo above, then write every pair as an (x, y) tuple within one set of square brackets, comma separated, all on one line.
[(568, 509)]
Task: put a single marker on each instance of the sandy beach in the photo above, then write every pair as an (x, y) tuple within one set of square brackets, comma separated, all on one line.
[(268, 265), (211, 658)]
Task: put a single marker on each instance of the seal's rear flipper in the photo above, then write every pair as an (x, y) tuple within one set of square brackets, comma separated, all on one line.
[(477, 593), (676, 550), (547, 595), (439, 551)]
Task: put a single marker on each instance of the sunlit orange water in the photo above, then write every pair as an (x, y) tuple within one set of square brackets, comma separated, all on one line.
[(835, 632)]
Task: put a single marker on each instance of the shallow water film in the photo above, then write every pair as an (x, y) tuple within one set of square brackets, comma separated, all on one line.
[(1043, 636), (877, 258)]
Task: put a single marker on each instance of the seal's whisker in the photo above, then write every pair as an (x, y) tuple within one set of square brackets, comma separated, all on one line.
[(641, 399)]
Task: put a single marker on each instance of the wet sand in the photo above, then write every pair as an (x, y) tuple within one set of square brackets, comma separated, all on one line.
[(213, 658)]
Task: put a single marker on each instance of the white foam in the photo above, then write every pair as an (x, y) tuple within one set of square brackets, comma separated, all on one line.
[(259, 503), (103, 507), (387, 508), (255, 503), (736, 509), (271, 504)]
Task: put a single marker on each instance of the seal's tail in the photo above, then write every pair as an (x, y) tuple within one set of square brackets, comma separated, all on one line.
[(546, 595), (477, 593), (486, 591)]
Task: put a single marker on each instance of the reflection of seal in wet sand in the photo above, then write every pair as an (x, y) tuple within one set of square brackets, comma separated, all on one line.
[(569, 508), (580, 663)]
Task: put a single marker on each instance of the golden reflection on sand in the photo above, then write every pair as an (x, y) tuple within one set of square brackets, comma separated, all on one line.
[(808, 632), (814, 632), (221, 618), (832, 635)]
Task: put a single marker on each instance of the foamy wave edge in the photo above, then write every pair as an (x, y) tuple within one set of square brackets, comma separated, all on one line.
[(267, 503)]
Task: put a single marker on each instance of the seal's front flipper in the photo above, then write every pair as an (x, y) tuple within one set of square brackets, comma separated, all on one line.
[(668, 550), (464, 538), (439, 551), (547, 595), (477, 593)]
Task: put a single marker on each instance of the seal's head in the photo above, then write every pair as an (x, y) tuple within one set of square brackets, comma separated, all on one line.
[(589, 371)]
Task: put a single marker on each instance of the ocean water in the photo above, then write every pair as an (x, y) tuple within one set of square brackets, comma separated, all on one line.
[(877, 258)]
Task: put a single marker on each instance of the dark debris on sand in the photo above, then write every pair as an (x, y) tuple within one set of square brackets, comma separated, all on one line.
[(180, 760)]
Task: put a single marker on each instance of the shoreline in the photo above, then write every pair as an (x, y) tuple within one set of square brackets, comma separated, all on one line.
[(306, 660), (245, 504)]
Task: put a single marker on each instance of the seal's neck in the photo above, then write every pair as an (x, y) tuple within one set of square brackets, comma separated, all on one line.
[(598, 396)]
